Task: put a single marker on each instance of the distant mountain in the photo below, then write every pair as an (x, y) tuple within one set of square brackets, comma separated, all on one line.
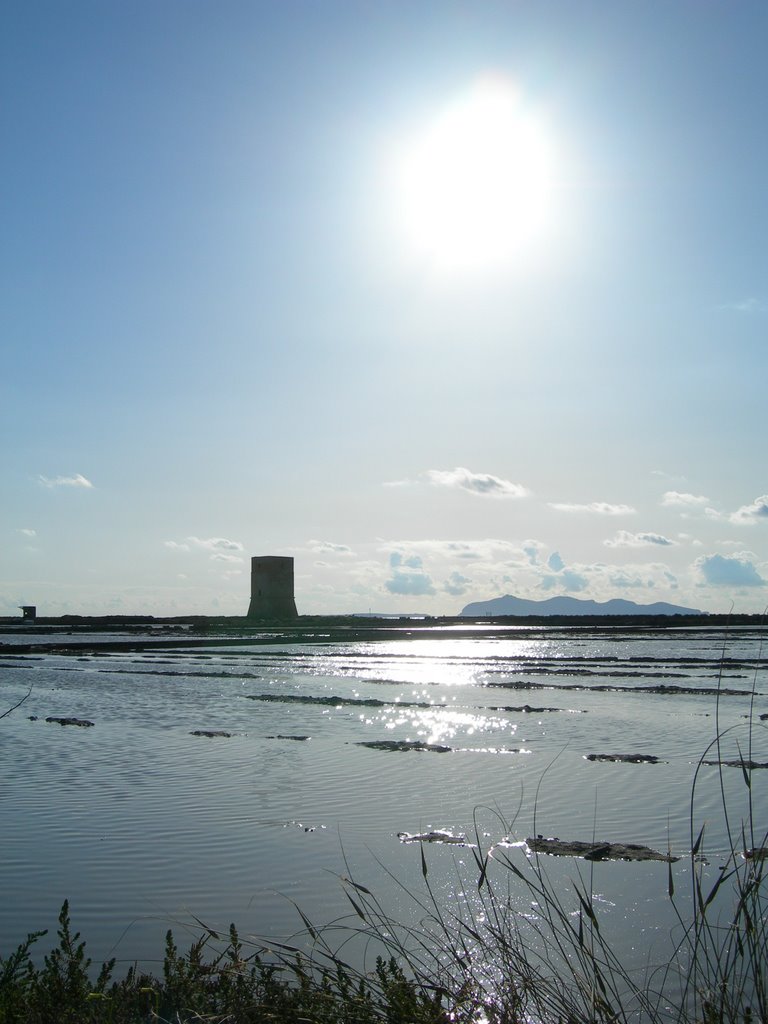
[(509, 605)]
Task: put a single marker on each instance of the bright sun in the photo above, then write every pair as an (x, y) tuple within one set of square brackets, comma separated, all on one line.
[(475, 187)]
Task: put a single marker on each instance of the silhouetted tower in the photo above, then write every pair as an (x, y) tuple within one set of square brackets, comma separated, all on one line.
[(272, 588)]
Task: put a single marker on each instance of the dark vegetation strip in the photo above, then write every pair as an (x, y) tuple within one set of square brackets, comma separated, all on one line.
[(705, 691), (526, 709), (179, 672), (368, 702), (570, 669), (401, 745)]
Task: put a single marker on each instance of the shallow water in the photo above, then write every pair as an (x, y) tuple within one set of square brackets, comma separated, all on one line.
[(142, 825)]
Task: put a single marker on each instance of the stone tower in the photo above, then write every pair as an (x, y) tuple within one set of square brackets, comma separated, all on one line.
[(272, 588)]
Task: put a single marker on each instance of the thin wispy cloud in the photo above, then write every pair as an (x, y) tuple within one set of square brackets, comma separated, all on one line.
[(78, 480), (748, 305), (664, 475), (600, 508), (27, 532), (625, 539), (220, 556)]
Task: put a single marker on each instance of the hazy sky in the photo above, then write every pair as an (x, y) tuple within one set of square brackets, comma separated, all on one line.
[(446, 300)]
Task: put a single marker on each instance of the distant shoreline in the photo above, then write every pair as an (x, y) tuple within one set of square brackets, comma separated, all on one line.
[(360, 627)]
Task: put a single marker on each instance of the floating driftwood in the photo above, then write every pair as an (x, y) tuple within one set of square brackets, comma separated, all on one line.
[(739, 762), (596, 851), (82, 722), (280, 736), (626, 758), (436, 748), (211, 733), (437, 836)]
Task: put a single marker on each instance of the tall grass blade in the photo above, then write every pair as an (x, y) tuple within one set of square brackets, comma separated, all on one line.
[(358, 910), (745, 773), (696, 846)]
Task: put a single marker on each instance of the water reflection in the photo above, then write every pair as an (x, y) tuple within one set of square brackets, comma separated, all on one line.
[(138, 816)]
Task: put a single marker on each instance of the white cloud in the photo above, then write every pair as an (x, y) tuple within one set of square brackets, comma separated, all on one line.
[(216, 543), (483, 485), (748, 515), (683, 500), (722, 571), (601, 508), (220, 548), (485, 550), (456, 584), (600, 580), (532, 548), (78, 480), (415, 583), (625, 581), (27, 532), (397, 559), (568, 580), (328, 547), (174, 546), (625, 539)]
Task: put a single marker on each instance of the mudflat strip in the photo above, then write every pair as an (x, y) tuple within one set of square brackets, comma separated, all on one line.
[(597, 851)]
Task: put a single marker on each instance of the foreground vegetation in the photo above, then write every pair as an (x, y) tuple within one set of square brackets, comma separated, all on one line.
[(203, 984)]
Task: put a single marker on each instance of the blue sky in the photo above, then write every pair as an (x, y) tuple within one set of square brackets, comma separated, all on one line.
[(225, 333)]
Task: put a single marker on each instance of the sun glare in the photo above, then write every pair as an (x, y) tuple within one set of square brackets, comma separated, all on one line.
[(475, 185)]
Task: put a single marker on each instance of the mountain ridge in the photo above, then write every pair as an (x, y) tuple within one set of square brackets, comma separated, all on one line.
[(563, 605)]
